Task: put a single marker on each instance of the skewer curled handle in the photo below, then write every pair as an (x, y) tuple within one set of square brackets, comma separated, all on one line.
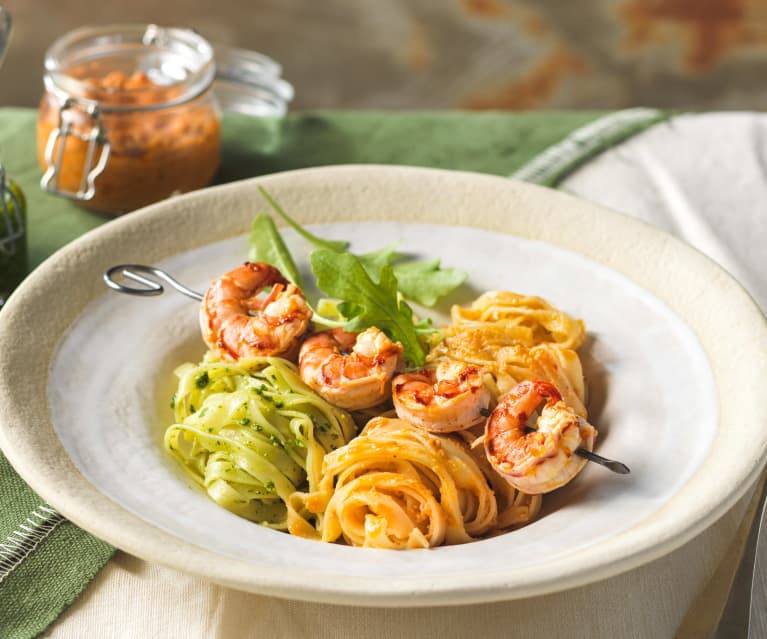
[(149, 277)]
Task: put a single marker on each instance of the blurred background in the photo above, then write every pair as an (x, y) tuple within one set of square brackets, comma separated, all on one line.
[(446, 54)]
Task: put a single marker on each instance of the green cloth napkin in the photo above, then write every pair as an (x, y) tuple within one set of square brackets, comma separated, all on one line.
[(45, 561)]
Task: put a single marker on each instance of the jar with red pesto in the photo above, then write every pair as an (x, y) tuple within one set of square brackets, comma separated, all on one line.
[(128, 116)]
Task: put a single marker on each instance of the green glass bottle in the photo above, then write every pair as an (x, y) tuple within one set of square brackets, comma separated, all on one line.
[(13, 237)]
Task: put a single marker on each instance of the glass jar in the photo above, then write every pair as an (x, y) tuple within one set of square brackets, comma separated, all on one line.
[(129, 115)]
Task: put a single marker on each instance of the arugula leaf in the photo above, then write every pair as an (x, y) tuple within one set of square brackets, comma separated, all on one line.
[(369, 288), (421, 282), (335, 245), (343, 276), (376, 260), (425, 282), (267, 245)]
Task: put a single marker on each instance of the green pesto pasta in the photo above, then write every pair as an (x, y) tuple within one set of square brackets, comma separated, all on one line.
[(251, 433)]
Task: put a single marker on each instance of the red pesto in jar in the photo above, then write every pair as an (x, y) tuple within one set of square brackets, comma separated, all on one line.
[(154, 153)]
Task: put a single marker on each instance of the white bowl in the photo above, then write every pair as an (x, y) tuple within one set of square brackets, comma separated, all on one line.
[(676, 350)]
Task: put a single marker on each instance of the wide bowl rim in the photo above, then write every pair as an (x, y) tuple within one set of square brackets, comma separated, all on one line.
[(643, 253)]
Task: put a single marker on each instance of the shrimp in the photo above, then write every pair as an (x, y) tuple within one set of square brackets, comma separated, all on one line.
[(450, 398), (350, 370), (542, 460), (237, 321)]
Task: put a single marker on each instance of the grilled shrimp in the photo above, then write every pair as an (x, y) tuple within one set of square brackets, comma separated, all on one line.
[(540, 460), (350, 370), (450, 398), (237, 320)]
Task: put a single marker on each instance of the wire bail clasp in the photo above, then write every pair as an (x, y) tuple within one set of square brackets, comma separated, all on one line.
[(11, 217), (96, 136)]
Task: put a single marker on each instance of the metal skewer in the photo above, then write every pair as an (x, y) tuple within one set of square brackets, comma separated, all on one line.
[(610, 464), (148, 276), (615, 466)]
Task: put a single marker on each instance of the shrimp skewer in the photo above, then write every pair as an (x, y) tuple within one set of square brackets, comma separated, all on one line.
[(450, 398), (541, 460), (350, 370), (238, 321)]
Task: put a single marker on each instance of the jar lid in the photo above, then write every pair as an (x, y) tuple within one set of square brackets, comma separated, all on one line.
[(169, 57), (248, 82), (243, 81)]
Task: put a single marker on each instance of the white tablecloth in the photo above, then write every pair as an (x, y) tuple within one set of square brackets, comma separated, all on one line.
[(700, 177)]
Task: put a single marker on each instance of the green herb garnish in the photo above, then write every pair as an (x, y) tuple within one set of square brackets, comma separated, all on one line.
[(368, 303), (421, 282), (370, 288), (333, 245), (202, 380), (266, 245)]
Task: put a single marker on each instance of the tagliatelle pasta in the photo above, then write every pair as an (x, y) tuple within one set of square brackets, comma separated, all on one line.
[(397, 486), (515, 508), (523, 319), (251, 433), (515, 338)]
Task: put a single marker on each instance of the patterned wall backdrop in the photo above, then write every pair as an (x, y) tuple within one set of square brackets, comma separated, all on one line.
[(473, 54)]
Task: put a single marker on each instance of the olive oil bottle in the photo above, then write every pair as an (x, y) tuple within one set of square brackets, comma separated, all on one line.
[(13, 238)]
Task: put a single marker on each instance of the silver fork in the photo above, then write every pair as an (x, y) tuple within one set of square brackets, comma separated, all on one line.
[(745, 613)]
